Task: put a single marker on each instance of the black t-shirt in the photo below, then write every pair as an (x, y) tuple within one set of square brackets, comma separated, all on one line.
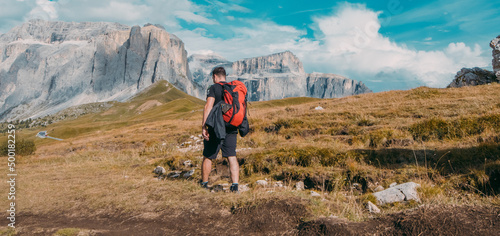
[(217, 91)]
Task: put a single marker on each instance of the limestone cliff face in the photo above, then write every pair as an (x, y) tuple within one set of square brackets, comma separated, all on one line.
[(275, 76), (48, 66), (495, 45), (333, 86)]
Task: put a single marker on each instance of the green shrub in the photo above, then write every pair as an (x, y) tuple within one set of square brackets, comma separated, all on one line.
[(22, 147)]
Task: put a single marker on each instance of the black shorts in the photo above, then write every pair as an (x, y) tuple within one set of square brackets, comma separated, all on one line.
[(212, 146)]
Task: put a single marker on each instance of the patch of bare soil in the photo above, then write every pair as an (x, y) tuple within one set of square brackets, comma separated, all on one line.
[(274, 217), (426, 220)]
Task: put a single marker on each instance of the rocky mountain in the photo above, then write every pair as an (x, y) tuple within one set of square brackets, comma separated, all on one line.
[(48, 66), (274, 76), (495, 45)]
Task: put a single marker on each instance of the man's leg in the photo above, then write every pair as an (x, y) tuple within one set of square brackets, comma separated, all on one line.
[(234, 167), (206, 169)]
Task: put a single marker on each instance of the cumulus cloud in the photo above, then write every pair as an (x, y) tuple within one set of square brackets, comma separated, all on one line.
[(354, 45), (44, 9)]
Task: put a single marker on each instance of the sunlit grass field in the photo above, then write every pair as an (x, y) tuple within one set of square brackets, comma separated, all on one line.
[(447, 140)]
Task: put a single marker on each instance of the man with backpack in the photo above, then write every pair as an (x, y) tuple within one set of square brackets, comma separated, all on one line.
[(223, 116)]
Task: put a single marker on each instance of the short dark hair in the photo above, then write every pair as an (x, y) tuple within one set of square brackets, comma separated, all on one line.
[(220, 71)]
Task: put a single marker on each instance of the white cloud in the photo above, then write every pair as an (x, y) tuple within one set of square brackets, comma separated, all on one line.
[(44, 9), (355, 47), (347, 42), (193, 18)]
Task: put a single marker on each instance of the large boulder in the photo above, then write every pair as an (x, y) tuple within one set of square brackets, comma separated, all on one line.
[(495, 45), (398, 193), (472, 77)]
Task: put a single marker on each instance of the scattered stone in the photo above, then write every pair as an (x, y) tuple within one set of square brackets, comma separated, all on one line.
[(188, 163), (393, 184), (389, 195), (300, 186), (319, 108), (218, 188), (409, 190), (243, 188), (398, 193), (315, 194), (379, 188), (372, 208), (188, 174), (262, 182), (278, 184), (174, 174), (159, 170)]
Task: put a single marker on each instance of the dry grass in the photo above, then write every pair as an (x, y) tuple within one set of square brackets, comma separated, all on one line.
[(104, 165)]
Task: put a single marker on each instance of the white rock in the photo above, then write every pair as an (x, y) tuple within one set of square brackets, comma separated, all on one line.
[(409, 190), (300, 185), (175, 174), (315, 194), (319, 108), (398, 193), (372, 208), (378, 188), (188, 163), (393, 184), (243, 188), (278, 184), (188, 174), (389, 195), (262, 182), (159, 170)]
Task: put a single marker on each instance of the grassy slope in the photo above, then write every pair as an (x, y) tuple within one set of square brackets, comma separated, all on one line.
[(104, 164)]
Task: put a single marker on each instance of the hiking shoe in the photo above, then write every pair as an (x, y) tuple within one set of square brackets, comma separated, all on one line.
[(234, 188), (204, 185)]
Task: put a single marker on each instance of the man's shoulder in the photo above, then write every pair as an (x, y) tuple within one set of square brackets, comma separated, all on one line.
[(214, 88)]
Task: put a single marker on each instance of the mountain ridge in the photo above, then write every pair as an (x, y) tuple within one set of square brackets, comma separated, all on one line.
[(47, 66)]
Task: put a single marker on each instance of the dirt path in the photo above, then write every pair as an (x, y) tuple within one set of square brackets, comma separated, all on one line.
[(275, 218)]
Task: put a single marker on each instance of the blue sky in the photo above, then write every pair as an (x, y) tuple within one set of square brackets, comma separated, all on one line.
[(391, 44)]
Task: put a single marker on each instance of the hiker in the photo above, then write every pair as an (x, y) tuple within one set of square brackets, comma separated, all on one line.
[(217, 132)]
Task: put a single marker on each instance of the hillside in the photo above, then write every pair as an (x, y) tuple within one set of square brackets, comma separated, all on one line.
[(100, 175)]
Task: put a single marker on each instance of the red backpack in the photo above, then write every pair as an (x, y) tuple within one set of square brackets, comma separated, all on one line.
[(235, 94)]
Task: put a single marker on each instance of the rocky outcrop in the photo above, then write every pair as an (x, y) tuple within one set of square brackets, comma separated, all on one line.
[(48, 66), (333, 86), (472, 77), (275, 76), (495, 45)]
